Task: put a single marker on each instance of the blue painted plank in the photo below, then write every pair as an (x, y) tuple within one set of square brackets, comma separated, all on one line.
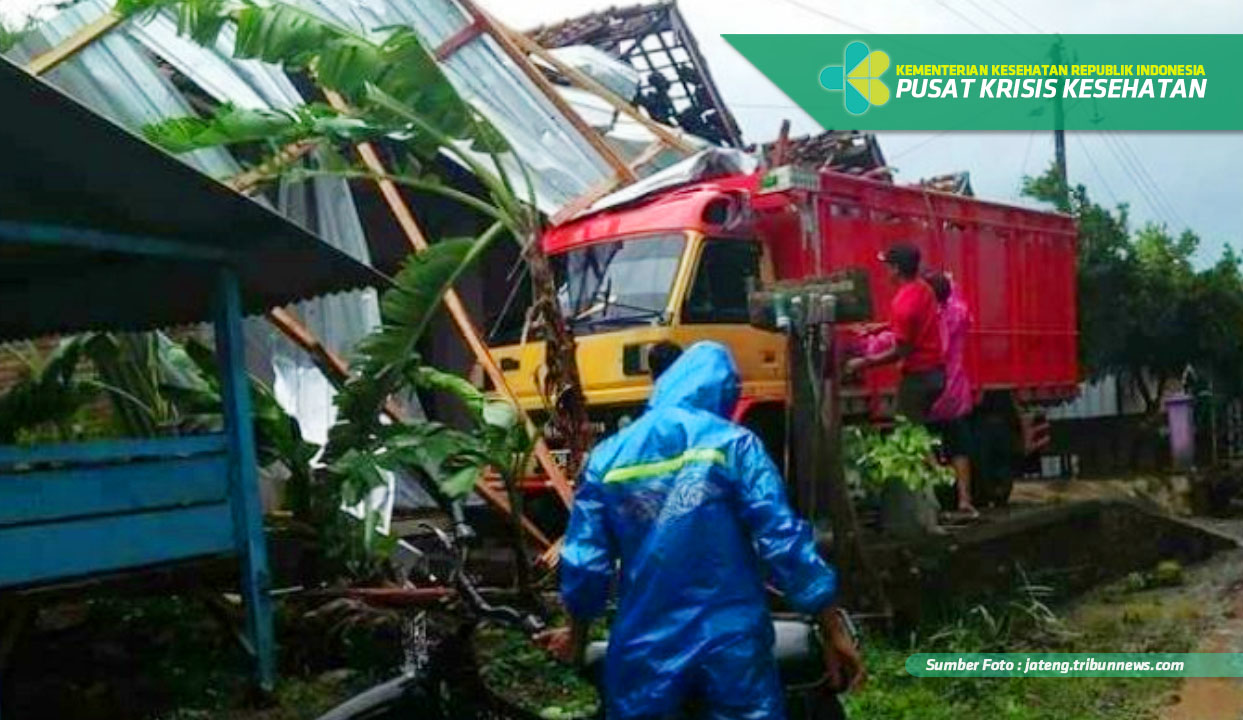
[(113, 450), (48, 495), (31, 554), (247, 506)]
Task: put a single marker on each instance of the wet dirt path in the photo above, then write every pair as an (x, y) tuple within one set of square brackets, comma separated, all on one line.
[(1216, 698)]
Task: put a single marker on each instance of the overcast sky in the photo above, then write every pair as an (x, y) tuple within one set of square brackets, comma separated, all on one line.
[(1187, 179)]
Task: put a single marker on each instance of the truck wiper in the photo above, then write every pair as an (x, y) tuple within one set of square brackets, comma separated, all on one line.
[(639, 315), (600, 311)]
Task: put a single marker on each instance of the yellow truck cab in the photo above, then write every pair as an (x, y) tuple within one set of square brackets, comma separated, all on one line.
[(678, 267)]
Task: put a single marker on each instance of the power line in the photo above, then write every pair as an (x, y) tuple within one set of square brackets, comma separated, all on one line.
[(1096, 169), (1154, 191), (834, 18), (996, 19), (1031, 137), (1152, 181), (766, 106), (1025, 21), (919, 144), (1126, 168), (966, 19)]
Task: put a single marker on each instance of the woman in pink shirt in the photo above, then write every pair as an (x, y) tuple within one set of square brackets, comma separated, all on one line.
[(950, 412)]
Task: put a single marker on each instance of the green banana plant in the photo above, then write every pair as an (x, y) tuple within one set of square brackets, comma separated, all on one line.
[(395, 93), (48, 395)]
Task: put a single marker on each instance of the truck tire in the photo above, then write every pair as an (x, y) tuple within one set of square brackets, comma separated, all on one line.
[(996, 450)]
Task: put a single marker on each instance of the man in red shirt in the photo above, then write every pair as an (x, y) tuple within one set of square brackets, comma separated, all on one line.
[(915, 319)]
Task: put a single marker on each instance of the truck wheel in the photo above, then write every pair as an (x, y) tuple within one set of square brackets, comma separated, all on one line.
[(993, 465)]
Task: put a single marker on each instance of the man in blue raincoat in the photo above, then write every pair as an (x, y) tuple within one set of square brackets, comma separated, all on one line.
[(695, 512)]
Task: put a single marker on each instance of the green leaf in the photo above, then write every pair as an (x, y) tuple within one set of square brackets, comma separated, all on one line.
[(407, 308), (500, 414), (361, 473), (230, 125), (49, 394), (411, 76), (907, 454), (347, 64), (396, 82), (201, 20), (461, 483), (432, 379), (281, 34), (487, 139)]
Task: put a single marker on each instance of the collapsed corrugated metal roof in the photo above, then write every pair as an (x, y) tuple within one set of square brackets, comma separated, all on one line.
[(958, 183), (847, 151), (118, 77), (77, 191), (677, 86)]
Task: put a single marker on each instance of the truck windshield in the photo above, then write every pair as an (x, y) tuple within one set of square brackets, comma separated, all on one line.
[(619, 283)]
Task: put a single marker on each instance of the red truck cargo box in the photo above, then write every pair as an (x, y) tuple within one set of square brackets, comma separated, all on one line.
[(1014, 266)]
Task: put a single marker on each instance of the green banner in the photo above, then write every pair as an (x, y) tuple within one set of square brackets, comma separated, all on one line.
[(1007, 82), (1212, 665)]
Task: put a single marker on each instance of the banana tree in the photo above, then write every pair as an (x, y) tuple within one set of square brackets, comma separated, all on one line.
[(395, 93), (48, 395)]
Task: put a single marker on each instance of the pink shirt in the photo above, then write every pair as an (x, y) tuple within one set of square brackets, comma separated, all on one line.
[(957, 399)]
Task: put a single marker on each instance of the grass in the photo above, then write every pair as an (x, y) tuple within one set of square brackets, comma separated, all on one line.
[(167, 658), (1116, 618), (892, 693), (514, 668)]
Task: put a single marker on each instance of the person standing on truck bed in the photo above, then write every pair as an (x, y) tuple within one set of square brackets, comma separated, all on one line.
[(695, 512), (950, 414), (915, 319)]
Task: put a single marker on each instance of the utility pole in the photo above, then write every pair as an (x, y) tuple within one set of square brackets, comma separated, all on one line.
[(1059, 133)]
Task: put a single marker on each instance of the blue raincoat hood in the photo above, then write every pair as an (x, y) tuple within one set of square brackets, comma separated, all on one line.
[(685, 515), (703, 378)]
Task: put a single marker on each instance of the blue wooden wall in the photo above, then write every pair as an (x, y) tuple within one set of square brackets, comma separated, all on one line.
[(77, 510)]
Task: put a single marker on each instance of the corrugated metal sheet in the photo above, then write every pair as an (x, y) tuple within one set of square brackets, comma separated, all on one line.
[(1096, 399), (562, 163), (117, 77), (67, 166)]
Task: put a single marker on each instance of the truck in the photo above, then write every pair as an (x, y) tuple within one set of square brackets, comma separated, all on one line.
[(680, 264)]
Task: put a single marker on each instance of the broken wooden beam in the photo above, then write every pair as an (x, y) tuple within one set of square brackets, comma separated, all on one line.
[(74, 44), (505, 39), (588, 83)]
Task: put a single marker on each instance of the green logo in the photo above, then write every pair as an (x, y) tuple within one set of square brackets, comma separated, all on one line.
[(859, 78)]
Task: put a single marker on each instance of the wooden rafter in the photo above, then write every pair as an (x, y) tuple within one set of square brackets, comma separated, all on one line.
[(74, 44), (505, 38), (587, 199), (586, 82)]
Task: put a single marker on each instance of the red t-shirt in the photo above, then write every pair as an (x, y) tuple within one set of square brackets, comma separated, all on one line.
[(915, 318)]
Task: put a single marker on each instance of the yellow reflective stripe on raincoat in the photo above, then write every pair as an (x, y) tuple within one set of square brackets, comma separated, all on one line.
[(664, 467)]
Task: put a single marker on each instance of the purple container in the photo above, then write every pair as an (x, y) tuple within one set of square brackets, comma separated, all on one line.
[(1178, 413)]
